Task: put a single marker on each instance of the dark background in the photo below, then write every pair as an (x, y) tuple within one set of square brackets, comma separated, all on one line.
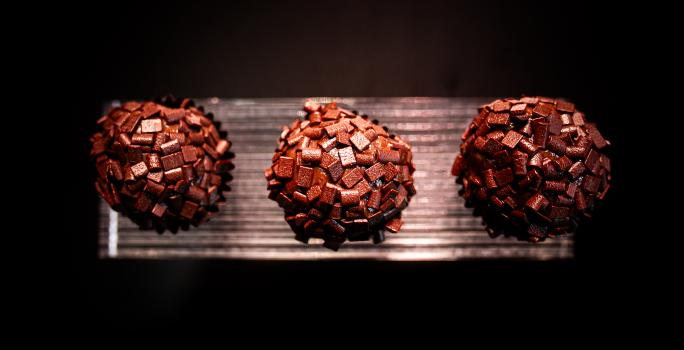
[(326, 48)]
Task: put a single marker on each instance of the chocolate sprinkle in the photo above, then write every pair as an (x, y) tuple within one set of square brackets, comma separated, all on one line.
[(163, 163), (542, 177), (339, 176)]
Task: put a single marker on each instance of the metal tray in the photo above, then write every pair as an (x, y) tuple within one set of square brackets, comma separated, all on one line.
[(249, 226)]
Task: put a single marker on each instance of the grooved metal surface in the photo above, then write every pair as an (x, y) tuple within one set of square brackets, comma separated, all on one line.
[(249, 226)]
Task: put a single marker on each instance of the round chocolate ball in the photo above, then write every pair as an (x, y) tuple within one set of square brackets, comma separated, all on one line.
[(163, 163), (339, 176), (533, 167)]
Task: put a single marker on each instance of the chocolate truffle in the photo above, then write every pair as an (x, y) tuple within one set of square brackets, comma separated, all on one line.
[(163, 163), (533, 167), (339, 176)]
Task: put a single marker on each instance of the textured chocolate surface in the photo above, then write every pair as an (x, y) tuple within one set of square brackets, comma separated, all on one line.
[(340, 176), (436, 226), (164, 163), (532, 167)]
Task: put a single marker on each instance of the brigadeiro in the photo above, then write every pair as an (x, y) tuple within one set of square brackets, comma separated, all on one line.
[(339, 176), (163, 163), (533, 167)]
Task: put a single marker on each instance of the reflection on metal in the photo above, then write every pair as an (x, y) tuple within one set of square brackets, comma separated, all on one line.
[(249, 226), (113, 238)]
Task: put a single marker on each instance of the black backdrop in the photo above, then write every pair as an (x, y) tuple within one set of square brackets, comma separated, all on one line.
[(326, 48)]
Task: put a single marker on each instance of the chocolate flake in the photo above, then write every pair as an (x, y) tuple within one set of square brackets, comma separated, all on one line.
[(347, 157), (142, 139), (151, 125), (511, 139), (139, 169), (311, 155), (360, 141), (518, 109), (304, 176), (352, 177), (172, 161), (170, 147), (285, 167)]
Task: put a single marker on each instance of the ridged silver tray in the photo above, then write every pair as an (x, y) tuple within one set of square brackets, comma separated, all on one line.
[(249, 226)]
